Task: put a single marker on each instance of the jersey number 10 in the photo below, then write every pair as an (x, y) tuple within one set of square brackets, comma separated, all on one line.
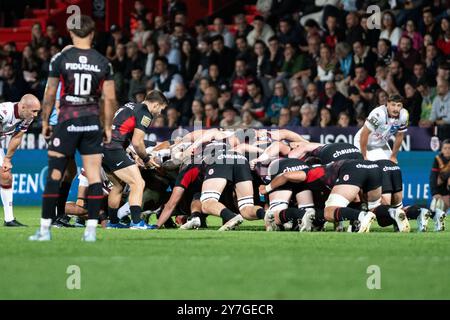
[(82, 84)]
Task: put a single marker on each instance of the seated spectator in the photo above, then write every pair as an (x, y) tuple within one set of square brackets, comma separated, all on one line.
[(150, 58), (343, 120), (287, 33), (37, 37), (159, 28), (297, 92), (248, 121), (285, 119), (116, 37), (295, 111), (225, 96), (294, 63), (419, 72), (384, 51), (198, 113), (359, 105), (412, 33), (440, 112), (139, 94), (429, 24), (141, 34), (381, 97), (182, 103), (279, 100), (335, 101), (256, 103), (190, 61), (389, 29), (432, 60), (325, 67), (333, 35), (220, 29), (443, 43), (212, 115), (239, 82), (312, 97), (362, 81), (29, 65), (406, 54), (201, 88), (165, 80), (137, 80), (159, 122), (371, 35), (307, 115), (397, 77), (243, 51), (428, 94), (363, 55), (135, 58), (354, 31), (173, 117), (223, 56), (172, 55), (201, 30), (211, 95), (12, 85), (325, 118), (52, 34), (261, 31), (381, 75), (413, 103), (242, 27), (260, 65), (230, 119)]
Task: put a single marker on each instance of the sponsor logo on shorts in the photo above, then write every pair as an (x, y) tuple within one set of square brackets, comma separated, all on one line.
[(118, 164), (345, 151), (296, 168), (211, 171), (366, 166), (56, 142), (393, 168), (73, 128), (346, 177)]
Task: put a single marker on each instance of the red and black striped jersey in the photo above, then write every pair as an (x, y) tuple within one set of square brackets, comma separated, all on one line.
[(81, 73)]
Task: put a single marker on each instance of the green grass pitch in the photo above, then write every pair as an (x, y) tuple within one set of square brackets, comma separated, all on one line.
[(206, 264)]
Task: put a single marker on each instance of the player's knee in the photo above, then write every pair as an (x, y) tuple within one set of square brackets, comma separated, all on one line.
[(207, 205), (6, 179), (139, 184), (328, 213), (56, 166)]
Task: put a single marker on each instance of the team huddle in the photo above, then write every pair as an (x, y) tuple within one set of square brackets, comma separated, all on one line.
[(272, 175)]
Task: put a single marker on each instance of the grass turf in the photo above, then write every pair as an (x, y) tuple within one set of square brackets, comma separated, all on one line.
[(206, 264)]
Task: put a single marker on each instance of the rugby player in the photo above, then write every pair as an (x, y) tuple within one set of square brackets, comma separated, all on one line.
[(85, 74), (15, 118)]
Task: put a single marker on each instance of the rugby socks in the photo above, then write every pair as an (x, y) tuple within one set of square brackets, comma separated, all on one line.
[(123, 210), (112, 213), (91, 225), (94, 199), (291, 214), (260, 213), (412, 212), (63, 194), (45, 225), (226, 214), (135, 214), (384, 219), (7, 199), (50, 199), (345, 213)]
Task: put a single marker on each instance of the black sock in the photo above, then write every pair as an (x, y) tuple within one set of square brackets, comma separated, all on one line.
[(112, 213), (135, 214), (94, 199), (291, 214), (412, 212), (50, 199), (384, 219), (64, 190), (260, 213), (345, 213), (226, 214), (196, 214)]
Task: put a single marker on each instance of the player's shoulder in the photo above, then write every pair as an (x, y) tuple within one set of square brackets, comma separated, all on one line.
[(379, 112), (404, 115)]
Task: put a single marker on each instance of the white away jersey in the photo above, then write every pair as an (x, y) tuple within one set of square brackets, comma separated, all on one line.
[(10, 122), (382, 127)]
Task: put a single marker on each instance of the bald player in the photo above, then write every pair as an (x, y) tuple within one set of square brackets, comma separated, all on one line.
[(15, 118)]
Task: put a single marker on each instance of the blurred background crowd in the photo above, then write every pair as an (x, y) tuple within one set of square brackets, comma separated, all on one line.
[(294, 63)]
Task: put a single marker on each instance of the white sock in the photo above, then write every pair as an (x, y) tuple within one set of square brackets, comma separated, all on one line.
[(7, 199), (45, 225), (91, 225), (123, 210)]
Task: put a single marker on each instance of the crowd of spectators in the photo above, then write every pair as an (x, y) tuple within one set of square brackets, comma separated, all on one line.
[(319, 66)]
